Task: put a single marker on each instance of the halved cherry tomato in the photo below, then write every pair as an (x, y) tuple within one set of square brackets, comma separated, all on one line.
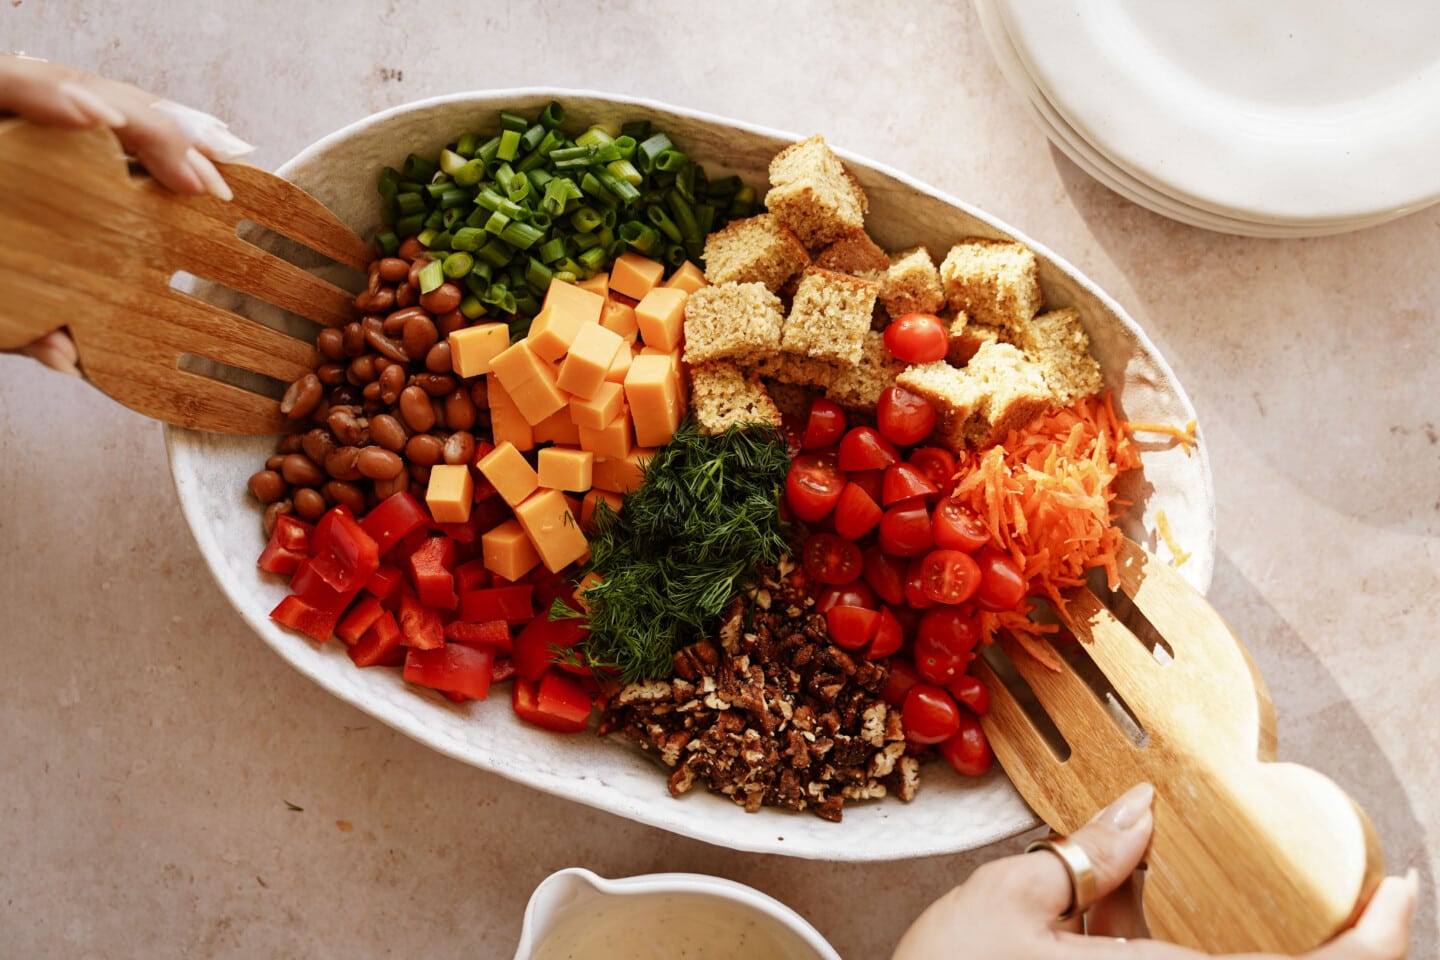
[(1002, 583), (949, 576), (957, 528), (944, 642), (851, 627), (825, 426), (938, 465), (904, 418), (832, 559), (855, 594), (904, 482), (863, 448), (905, 530), (929, 714), (969, 692), (915, 596), (855, 514), (813, 486), (871, 481), (794, 429), (889, 636), (898, 681), (968, 751), (885, 574), (917, 338)]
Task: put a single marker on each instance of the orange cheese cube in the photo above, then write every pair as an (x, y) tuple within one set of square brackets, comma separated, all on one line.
[(600, 409), (634, 275), (612, 440), (550, 333), (588, 361), (507, 550), (472, 348), (652, 391), (587, 509), (506, 423), (530, 381), (688, 278), (620, 317), (600, 283), (671, 357), (509, 473), (661, 315), (552, 528), (564, 468), (450, 493), (619, 367), (558, 428), (621, 474)]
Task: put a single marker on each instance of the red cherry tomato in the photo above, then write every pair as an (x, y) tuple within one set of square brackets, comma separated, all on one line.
[(957, 528), (851, 627), (949, 576), (915, 596), (855, 513), (929, 714), (825, 426), (831, 559), (904, 482), (886, 574), (871, 481), (855, 594), (904, 418), (898, 681), (938, 465), (943, 644), (905, 530), (917, 338), (812, 487), (889, 636), (794, 429), (967, 750), (863, 448), (969, 692), (1002, 583)]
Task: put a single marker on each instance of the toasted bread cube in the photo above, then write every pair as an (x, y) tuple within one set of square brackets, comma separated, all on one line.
[(1013, 391), (1056, 341), (758, 249), (506, 550), (509, 473), (859, 387), (565, 468), (546, 517), (996, 282), (732, 320), (634, 275), (723, 396), (854, 253), (450, 493), (967, 338), (687, 277), (661, 316), (813, 194), (794, 369), (829, 317), (472, 348), (911, 284)]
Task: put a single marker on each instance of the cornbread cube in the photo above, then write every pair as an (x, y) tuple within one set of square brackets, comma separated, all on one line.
[(954, 396), (1013, 392), (829, 317), (859, 387), (790, 398), (731, 320), (911, 284), (967, 338), (856, 254), (758, 249), (993, 281), (1056, 341), (791, 368), (722, 396), (813, 194)]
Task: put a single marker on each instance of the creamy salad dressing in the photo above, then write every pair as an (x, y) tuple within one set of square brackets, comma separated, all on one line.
[(668, 926)]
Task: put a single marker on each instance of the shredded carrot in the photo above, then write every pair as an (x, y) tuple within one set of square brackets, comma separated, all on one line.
[(1166, 534), (1185, 434), (1047, 497)]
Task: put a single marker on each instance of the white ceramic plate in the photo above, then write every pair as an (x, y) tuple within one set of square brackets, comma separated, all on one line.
[(1295, 111), (950, 814)]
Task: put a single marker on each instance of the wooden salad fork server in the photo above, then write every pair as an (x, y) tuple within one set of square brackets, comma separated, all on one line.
[(1248, 854), (89, 246)]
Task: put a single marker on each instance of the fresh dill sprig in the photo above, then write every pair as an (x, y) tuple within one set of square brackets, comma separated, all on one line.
[(687, 541)]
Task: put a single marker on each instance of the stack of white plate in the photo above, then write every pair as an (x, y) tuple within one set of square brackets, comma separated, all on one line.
[(1266, 118)]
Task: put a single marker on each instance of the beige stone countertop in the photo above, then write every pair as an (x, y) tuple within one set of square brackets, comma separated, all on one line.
[(151, 745)]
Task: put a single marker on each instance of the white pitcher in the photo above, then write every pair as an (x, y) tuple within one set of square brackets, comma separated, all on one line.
[(575, 914)]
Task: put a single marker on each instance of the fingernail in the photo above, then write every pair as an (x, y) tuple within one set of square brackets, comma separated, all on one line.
[(205, 170), (223, 145), (1412, 883), (92, 105), (56, 360), (1127, 809)]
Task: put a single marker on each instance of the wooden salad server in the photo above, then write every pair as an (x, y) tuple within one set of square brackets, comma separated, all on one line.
[(89, 246), (1248, 854)]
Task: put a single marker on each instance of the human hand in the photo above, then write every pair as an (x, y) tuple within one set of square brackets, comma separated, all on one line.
[(1008, 908), (175, 144)]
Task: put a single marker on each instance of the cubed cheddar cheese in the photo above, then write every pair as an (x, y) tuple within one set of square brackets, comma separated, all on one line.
[(600, 409), (587, 506), (566, 309), (507, 425), (553, 529), (671, 357), (450, 493), (688, 278), (661, 315), (589, 359), (620, 367), (507, 550), (620, 317), (634, 275), (612, 440), (509, 473), (472, 348), (564, 468), (621, 474), (600, 283), (652, 391), (558, 428), (530, 382)]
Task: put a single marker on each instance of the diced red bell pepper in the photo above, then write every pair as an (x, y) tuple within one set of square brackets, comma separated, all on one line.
[(459, 532), (537, 645), (420, 625), (308, 585), (380, 646), (489, 514), (430, 567), (512, 604), (549, 585), (393, 518), (299, 614), (557, 702), (289, 545), (454, 667), (345, 556), (361, 617), (385, 581), (484, 490), (471, 575), (491, 633), (504, 669)]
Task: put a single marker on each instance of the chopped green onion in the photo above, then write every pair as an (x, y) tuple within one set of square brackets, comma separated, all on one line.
[(551, 250), (619, 189), (640, 237), (467, 145), (496, 252), (458, 265), (431, 276), (585, 219), (471, 307), (522, 235), (410, 224), (553, 115), (626, 145), (513, 122), (387, 242), (531, 138), (426, 236), (623, 169), (468, 239), (670, 160), (470, 174), (450, 161), (650, 148), (408, 203), (595, 135), (684, 218), (593, 259), (592, 186), (486, 153), (453, 197), (418, 168), (537, 275), (509, 145), (497, 222), (662, 221)]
